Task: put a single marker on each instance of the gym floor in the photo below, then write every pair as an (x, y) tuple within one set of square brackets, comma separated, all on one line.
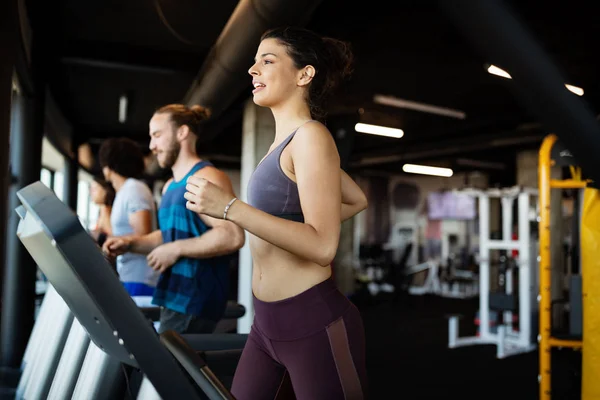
[(408, 358)]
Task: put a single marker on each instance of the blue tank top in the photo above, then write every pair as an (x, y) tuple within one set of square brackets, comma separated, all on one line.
[(270, 189), (191, 286)]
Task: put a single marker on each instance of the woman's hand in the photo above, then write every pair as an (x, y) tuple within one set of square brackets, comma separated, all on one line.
[(204, 197)]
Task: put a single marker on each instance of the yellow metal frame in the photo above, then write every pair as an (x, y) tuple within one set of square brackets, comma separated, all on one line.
[(546, 184)]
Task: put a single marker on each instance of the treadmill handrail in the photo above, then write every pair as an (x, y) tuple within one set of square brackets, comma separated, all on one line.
[(195, 366)]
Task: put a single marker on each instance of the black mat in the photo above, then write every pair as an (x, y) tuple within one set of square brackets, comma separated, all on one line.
[(408, 358)]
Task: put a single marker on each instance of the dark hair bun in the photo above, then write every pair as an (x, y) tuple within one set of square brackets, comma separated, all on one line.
[(340, 61)]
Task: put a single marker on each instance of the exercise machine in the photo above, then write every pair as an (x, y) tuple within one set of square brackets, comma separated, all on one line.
[(552, 153), (458, 284), (508, 339), (173, 366), (449, 270), (44, 347), (52, 362)]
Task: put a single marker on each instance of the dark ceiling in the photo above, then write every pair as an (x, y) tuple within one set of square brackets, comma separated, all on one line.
[(152, 50)]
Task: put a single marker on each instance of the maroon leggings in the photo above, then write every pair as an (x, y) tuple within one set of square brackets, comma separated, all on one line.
[(314, 340)]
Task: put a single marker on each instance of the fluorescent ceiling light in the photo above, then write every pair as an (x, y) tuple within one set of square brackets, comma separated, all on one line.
[(413, 105), (426, 170), (122, 109), (379, 130), (577, 90), (492, 69)]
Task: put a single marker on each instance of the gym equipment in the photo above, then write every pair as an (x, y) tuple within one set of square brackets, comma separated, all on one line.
[(590, 238), (508, 341), (550, 154), (71, 361), (504, 299), (78, 272), (63, 375), (448, 261), (55, 351), (457, 280), (461, 284), (43, 350)]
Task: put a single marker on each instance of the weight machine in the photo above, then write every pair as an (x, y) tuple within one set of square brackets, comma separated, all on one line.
[(551, 154), (508, 340), (433, 285)]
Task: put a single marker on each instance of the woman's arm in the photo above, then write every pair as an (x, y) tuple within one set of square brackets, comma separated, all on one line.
[(141, 222), (104, 220), (317, 168), (353, 198)]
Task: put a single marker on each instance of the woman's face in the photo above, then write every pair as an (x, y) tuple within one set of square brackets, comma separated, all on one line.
[(97, 193), (274, 75)]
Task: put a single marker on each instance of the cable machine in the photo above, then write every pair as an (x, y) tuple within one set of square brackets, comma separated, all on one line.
[(509, 340)]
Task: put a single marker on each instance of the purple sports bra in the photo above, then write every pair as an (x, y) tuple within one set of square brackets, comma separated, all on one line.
[(271, 191)]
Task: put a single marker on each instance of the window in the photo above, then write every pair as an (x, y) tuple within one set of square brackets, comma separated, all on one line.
[(47, 177), (52, 175), (59, 184), (83, 202)]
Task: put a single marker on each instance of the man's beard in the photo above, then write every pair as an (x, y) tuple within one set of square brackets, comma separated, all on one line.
[(171, 154)]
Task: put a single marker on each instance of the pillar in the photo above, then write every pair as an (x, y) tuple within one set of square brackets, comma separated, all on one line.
[(8, 40), (20, 273), (27, 128), (71, 179), (258, 133)]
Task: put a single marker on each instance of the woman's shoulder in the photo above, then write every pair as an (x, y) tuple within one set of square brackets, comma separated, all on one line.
[(313, 133), (312, 125), (138, 187)]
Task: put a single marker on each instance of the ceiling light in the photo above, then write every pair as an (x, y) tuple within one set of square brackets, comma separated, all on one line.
[(492, 69), (426, 170), (379, 130), (577, 90), (413, 105), (122, 109)]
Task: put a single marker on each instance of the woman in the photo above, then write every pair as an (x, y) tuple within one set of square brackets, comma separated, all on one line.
[(103, 195), (304, 329), (133, 212)]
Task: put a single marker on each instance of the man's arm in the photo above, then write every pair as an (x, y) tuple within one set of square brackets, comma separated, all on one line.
[(146, 243), (225, 237)]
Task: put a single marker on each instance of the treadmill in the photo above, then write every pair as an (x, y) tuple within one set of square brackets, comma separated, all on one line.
[(173, 366)]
